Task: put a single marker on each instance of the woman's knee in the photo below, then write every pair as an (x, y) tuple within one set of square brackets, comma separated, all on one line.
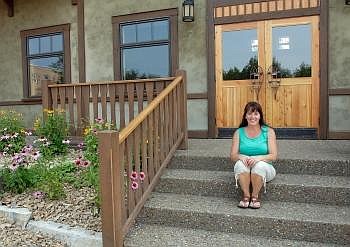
[(240, 168)]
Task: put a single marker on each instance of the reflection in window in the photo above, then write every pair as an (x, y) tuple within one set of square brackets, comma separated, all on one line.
[(134, 65), (44, 60), (146, 39), (48, 68), (240, 53), (291, 50)]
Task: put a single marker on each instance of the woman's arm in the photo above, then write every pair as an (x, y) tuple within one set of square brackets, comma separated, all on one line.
[(235, 155), (272, 144)]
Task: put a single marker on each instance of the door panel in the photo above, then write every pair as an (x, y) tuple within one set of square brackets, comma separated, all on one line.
[(286, 53)]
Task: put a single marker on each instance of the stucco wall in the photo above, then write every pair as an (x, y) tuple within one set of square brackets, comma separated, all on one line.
[(30, 15), (339, 64), (191, 42)]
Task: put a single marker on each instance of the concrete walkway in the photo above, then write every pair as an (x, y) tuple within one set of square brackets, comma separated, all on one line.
[(287, 149)]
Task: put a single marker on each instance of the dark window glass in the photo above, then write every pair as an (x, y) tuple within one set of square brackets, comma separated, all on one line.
[(240, 54), (136, 67), (291, 50), (128, 34), (47, 68), (33, 46)]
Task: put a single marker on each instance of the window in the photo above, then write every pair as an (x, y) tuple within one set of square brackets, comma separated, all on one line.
[(46, 56), (145, 45)]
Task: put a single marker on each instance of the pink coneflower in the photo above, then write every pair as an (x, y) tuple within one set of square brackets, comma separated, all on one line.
[(66, 141), (38, 194), (36, 155), (28, 133), (85, 163), (142, 176), (80, 145), (99, 120), (46, 144), (133, 176), (13, 166), (78, 161), (134, 185)]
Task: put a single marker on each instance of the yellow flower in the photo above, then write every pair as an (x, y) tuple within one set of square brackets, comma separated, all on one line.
[(87, 131)]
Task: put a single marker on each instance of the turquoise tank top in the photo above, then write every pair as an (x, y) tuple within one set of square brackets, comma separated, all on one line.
[(253, 146)]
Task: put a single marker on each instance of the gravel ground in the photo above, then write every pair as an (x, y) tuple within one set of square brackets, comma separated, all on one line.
[(75, 210), (13, 236)]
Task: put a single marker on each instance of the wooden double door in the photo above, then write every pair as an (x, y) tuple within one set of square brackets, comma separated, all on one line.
[(274, 62)]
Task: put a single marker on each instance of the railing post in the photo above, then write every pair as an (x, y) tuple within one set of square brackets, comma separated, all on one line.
[(183, 109), (111, 182), (46, 95)]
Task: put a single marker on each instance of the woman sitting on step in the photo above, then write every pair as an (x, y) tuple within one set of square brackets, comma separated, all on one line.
[(253, 147)]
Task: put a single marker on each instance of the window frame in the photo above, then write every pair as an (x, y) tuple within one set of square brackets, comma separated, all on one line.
[(44, 31), (144, 17)]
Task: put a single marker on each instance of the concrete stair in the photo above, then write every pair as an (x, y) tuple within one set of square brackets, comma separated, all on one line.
[(307, 204)]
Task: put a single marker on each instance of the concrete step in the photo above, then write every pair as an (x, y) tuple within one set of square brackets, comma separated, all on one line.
[(286, 220), (331, 190), (161, 236), (291, 166)]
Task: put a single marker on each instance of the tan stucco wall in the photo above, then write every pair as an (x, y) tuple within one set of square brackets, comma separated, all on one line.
[(191, 42), (30, 14), (339, 64)]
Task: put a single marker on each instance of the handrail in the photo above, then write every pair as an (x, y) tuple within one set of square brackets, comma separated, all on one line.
[(143, 146), (139, 118), (92, 83)]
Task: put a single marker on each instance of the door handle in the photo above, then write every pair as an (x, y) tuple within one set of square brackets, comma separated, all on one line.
[(257, 78), (274, 78)]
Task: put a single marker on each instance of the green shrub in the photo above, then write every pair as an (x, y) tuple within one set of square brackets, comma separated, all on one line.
[(12, 134), (53, 132)]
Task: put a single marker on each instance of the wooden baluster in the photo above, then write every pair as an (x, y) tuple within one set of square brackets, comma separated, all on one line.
[(112, 89), (121, 98), (70, 95), (103, 91), (94, 92), (130, 87)]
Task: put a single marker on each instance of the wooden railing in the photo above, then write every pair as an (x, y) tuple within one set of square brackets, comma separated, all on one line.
[(114, 101), (145, 145)]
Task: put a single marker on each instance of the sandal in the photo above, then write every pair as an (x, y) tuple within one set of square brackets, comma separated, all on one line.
[(255, 203), (244, 203)]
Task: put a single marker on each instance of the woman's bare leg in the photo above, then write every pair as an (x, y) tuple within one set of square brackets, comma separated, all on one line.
[(257, 183), (244, 181)]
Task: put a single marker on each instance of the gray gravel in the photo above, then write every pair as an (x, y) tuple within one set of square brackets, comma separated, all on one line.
[(75, 210), (13, 236)]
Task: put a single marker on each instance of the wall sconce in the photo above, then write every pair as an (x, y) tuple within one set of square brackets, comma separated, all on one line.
[(347, 2), (188, 11)]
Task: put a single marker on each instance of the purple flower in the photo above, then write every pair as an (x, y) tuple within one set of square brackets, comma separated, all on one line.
[(133, 176), (13, 166), (142, 176), (134, 185), (38, 194), (66, 141), (36, 155), (99, 120), (81, 145), (85, 163)]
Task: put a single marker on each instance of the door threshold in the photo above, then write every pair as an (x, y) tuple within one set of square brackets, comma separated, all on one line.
[(281, 133)]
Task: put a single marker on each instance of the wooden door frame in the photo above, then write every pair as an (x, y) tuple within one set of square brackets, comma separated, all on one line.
[(321, 10)]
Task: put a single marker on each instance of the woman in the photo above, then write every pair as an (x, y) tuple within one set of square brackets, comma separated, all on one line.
[(253, 147)]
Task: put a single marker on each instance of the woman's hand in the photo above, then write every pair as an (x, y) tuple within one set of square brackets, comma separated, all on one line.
[(249, 161)]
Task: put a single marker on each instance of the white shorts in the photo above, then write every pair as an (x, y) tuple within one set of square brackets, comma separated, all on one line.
[(265, 170)]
